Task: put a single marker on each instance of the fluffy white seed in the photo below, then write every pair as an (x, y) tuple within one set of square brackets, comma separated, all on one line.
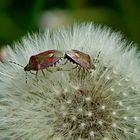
[(72, 103)]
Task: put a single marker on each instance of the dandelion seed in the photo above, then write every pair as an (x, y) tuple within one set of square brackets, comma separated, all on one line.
[(119, 84), (126, 79), (69, 102), (92, 133), (114, 72), (88, 99), (102, 107), (124, 94), (114, 113), (135, 130), (128, 108), (125, 130), (100, 122), (80, 110), (112, 89), (125, 117), (89, 114), (74, 118), (82, 125), (114, 125), (108, 78), (64, 113), (120, 103), (135, 118)]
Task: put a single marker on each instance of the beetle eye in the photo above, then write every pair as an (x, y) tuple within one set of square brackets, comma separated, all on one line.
[(77, 55)]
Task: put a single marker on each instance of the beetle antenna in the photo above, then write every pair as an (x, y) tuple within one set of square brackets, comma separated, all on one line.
[(16, 64)]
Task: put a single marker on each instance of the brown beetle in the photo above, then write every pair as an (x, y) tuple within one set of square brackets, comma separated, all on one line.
[(80, 58), (42, 61)]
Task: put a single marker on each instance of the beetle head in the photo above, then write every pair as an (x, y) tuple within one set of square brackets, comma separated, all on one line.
[(28, 67), (31, 65)]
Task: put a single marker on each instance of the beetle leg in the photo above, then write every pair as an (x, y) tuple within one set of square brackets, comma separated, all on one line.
[(68, 69), (59, 69), (48, 70), (36, 75), (79, 68), (88, 70), (43, 73), (65, 62), (32, 73), (75, 67)]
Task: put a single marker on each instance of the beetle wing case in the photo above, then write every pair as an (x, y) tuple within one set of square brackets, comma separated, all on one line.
[(48, 58), (80, 58)]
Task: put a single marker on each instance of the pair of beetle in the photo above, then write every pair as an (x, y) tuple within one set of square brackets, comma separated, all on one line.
[(48, 58)]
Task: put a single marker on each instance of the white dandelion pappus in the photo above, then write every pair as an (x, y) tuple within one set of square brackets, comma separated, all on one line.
[(72, 104)]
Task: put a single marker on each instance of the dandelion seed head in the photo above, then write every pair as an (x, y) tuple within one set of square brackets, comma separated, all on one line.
[(72, 103)]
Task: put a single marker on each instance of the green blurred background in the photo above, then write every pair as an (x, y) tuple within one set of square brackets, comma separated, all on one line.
[(17, 17)]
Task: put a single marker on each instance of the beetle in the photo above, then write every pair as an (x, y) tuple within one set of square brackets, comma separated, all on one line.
[(42, 61), (80, 58)]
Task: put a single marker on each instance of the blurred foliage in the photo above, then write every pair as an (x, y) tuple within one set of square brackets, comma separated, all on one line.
[(17, 17)]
